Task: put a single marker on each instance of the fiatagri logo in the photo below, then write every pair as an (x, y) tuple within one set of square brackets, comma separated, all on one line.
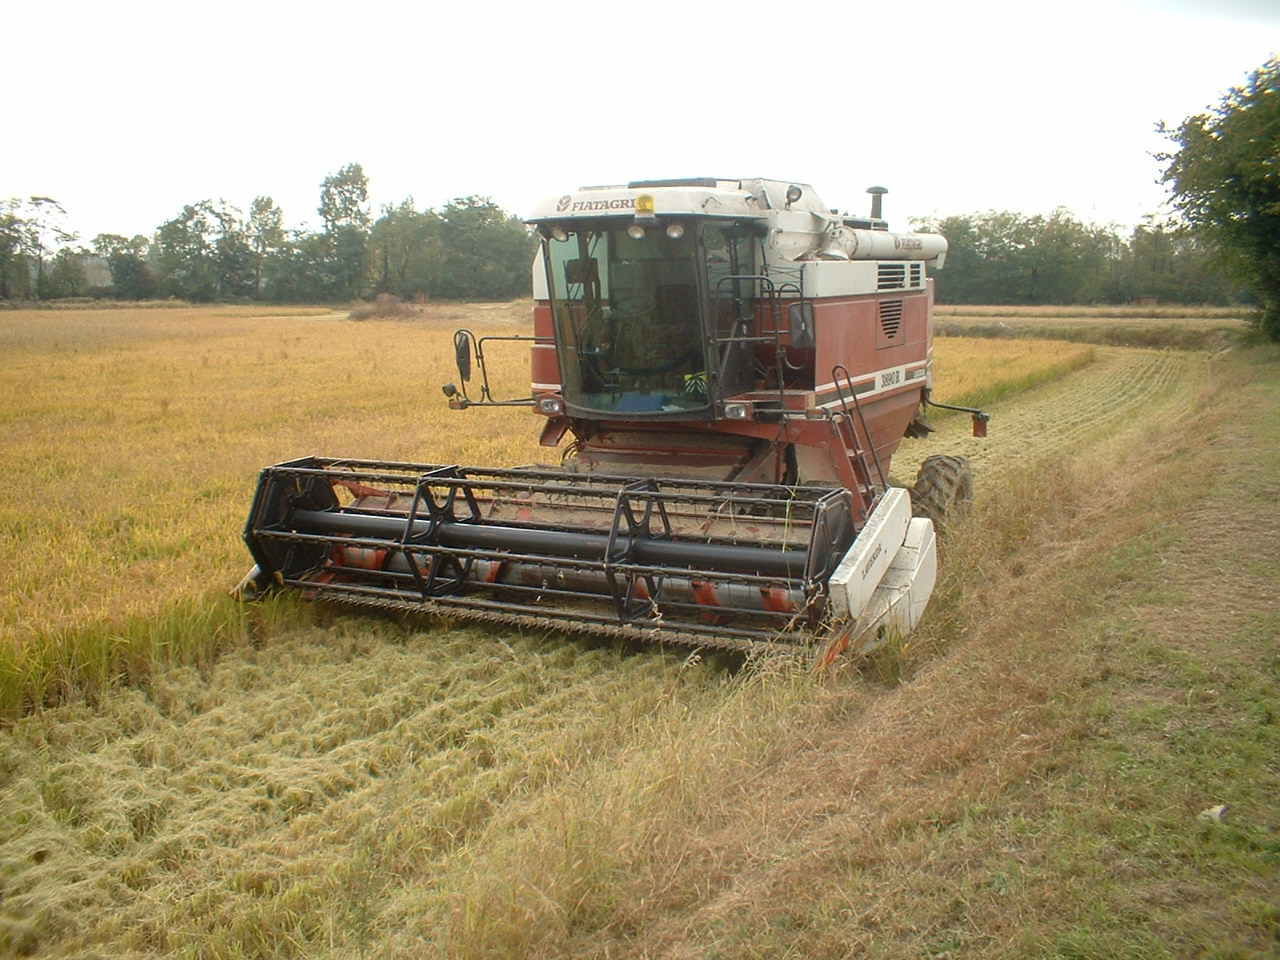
[(568, 204)]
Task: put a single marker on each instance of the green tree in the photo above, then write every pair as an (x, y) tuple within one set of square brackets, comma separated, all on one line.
[(344, 198), (232, 254), (348, 262), (1170, 263), (266, 238), (299, 273), (66, 276), (203, 254), (46, 233), (131, 276), (183, 254), (1005, 257), (1225, 180), (15, 274), (406, 247), (486, 251), (31, 230)]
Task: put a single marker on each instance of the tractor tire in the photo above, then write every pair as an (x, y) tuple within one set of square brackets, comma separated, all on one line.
[(943, 489)]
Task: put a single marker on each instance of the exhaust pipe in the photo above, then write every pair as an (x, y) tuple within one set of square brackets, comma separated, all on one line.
[(876, 194)]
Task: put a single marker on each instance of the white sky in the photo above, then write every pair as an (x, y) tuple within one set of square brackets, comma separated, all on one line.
[(125, 111)]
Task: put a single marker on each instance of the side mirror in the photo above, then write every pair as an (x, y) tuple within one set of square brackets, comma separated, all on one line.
[(462, 353), (800, 325)]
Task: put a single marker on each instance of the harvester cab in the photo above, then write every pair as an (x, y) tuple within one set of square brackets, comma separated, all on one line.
[(733, 364)]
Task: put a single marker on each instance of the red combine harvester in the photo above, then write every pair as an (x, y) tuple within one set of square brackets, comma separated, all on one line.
[(733, 365)]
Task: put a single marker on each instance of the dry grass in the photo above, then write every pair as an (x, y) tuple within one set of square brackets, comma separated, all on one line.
[(387, 307), (1034, 788)]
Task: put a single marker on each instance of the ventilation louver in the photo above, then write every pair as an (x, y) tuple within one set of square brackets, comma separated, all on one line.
[(892, 276), (890, 318)]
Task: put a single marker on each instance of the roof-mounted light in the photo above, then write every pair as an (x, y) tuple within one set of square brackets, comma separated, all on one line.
[(559, 233), (675, 230), (645, 210)]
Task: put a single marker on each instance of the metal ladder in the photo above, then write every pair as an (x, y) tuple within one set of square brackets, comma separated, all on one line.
[(846, 422)]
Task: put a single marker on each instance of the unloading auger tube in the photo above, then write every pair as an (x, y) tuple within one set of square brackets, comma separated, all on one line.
[(726, 565)]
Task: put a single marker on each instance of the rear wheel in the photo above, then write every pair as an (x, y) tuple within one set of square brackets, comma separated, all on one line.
[(943, 488)]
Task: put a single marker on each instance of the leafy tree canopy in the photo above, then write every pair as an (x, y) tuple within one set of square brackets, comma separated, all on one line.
[(471, 248), (131, 277), (1225, 180), (1006, 257), (344, 198), (30, 231)]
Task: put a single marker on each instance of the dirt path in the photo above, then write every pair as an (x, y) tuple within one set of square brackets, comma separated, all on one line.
[(1050, 785)]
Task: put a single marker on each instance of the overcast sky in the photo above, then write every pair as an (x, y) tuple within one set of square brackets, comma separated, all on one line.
[(125, 111)]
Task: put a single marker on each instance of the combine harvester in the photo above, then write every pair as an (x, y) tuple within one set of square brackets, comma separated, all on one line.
[(732, 365)]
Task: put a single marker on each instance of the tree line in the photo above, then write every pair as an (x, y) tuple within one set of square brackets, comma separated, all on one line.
[(1223, 247), (1223, 175), (212, 251), (472, 249), (1012, 258)]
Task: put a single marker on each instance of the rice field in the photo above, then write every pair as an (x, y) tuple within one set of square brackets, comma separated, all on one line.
[(1160, 327), (977, 371), (206, 780), (140, 434)]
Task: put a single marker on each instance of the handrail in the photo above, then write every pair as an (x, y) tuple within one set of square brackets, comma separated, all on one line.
[(771, 295), (836, 371)]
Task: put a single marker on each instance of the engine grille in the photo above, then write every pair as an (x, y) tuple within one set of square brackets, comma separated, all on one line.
[(895, 275), (890, 318), (892, 276)]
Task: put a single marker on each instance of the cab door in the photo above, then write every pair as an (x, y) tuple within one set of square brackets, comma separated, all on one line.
[(728, 252)]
